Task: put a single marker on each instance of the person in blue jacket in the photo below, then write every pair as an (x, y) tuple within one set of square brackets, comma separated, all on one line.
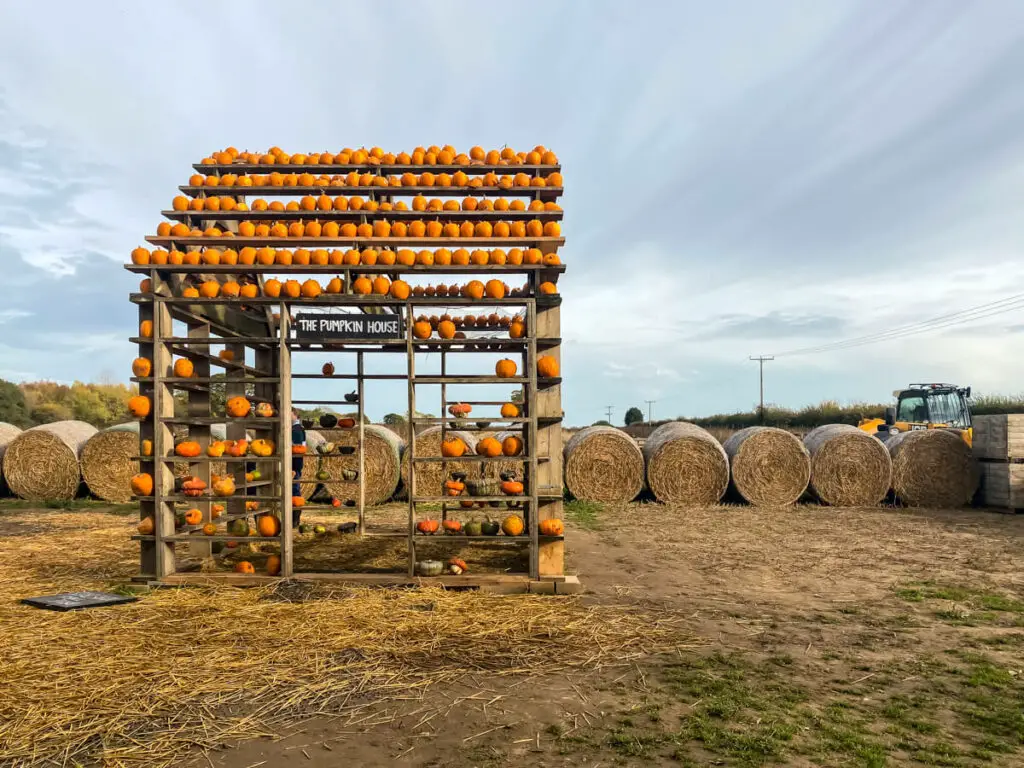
[(298, 438)]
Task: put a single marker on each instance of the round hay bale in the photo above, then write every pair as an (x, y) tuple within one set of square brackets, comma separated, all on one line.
[(685, 465), (514, 465), (107, 464), (932, 468), (7, 433), (769, 467), (41, 463), (849, 467), (430, 476), (603, 464), (382, 454)]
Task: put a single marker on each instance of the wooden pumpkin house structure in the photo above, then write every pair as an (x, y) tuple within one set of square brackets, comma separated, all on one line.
[(266, 257)]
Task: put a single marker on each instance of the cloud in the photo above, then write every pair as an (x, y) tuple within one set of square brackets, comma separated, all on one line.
[(741, 177)]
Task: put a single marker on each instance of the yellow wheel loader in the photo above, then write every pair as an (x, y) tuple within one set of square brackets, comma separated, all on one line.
[(925, 406)]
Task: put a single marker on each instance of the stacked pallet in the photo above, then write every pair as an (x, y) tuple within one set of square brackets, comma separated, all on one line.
[(998, 444)]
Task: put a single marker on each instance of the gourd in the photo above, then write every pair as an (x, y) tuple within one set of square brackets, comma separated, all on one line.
[(427, 526), (457, 566), (273, 565), (460, 409), (298, 502), (183, 368), (236, 448), (238, 527), (216, 449), (142, 484), (430, 567), (187, 448), (489, 528), (238, 407), (224, 487), (327, 369), (193, 517), (505, 369), (453, 448), (472, 528), (268, 525), (452, 526), (265, 410), (513, 525), (139, 406), (261, 447), (547, 367), (146, 525), (551, 527), (193, 486)]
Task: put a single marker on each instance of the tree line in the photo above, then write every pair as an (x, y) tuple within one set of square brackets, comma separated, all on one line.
[(825, 412), (43, 402)]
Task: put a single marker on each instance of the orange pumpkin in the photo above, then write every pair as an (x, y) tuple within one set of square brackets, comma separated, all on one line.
[(505, 369), (547, 367), (142, 484), (139, 406), (244, 566), (210, 529), (512, 487), (238, 407), (551, 527), (146, 525), (510, 410), (142, 366), (193, 517), (512, 446), (273, 565), (216, 449), (146, 329), (298, 501), (268, 525), (183, 368), (453, 447), (187, 448), (489, 447)]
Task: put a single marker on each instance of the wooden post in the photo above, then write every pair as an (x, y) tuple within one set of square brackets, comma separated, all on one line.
[(284, 367), (163, 441), (548, 404), (199, 406), (361, 441), (411, 448)]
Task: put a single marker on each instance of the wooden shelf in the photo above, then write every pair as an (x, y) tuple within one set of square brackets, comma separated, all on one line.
[(198, 536), (220, 169), (363, 215), (546, 194), (340, 300), (427, 420), (211, 460), (207, 380), (200, 421), (357, 242), (337, 269), (210, 341), (470, 380), (499, 538), (524, 498), (475, 460)]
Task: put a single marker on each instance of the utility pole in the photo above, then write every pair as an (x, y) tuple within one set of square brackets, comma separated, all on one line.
[(761, 360), (608, 410), (649, 410)]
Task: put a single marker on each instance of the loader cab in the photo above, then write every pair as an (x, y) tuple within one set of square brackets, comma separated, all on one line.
[(926, 406)]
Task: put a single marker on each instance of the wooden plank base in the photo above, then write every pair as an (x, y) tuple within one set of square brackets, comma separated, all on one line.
[(485, 582)]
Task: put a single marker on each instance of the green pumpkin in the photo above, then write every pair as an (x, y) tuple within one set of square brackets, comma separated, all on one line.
[(217, 547), (238, 527), (473, 528), (323, 476), (490, 527), (305, 528)]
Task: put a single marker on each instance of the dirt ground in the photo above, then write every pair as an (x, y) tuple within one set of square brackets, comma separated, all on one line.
[(866, 637)]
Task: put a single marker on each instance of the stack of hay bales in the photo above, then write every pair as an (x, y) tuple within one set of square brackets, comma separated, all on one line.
[(382, 454), (849, 467), (768, 466), (685, 465), (932, 468), (42, 463), (430, 475), (7, 433), (603, 464), (107, 463)]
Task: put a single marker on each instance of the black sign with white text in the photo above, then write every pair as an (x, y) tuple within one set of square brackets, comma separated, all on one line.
[(355, 326)]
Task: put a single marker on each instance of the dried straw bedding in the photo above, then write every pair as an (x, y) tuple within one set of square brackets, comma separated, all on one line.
[(932, 468), (382, 452), (603, 464), (768, 466), (430, 476), (849, 467), (107, 463), (7, 433), (685, 465), (42, 462)]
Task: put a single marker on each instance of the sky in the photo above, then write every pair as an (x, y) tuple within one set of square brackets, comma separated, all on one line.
[(742, 177)]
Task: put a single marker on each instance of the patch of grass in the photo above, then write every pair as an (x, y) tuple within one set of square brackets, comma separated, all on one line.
[(584, 513), (974, 607)]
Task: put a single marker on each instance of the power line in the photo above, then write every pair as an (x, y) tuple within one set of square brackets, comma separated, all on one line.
[(650, 403), (608, 410), (978, 312)]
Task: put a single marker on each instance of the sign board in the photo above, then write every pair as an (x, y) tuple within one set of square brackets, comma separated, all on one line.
[(349, 326), (70, 601)]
